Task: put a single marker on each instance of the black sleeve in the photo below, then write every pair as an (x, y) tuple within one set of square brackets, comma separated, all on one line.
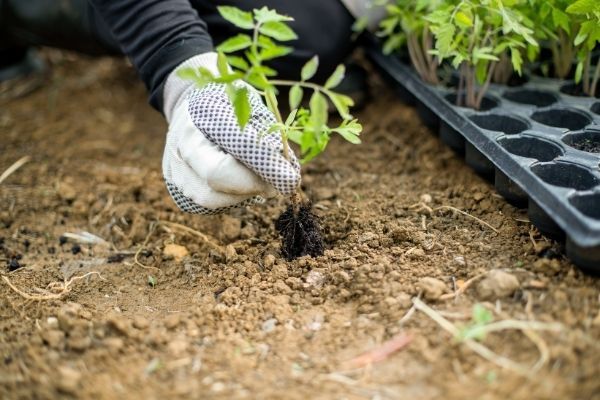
[(156, 35)]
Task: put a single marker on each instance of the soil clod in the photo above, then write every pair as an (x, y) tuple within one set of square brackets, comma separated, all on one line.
[(300, 233)]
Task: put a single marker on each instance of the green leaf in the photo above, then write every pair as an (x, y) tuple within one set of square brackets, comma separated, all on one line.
[(241, 106), (296, 94), (336, 78), (265, 14), (277, 30), (579, 72), (310, 68), (239, 18), (584, 7), (318, 110), (482, 315), (222, 64), (236, 43), (463, 20), (151, 281), (342, 104), (238, 62), (350, 131), (291, 117), (275, 52)]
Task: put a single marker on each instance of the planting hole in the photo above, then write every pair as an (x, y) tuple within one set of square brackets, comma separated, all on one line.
[(566, 175), (537, 98), (575, 89), (588, 140), (587, 204), (531, 147), (501, 123), (596, 108), (562, 118), (487, 103)]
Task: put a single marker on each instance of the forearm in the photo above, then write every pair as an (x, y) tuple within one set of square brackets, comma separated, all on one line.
[(156, 36)]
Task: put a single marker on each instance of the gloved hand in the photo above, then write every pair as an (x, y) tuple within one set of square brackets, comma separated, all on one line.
[(209, 165)]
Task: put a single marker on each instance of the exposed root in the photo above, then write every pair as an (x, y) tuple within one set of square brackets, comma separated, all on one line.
[(485, 352), (300, 232), (15, 166), (55, 291), (467, 215)]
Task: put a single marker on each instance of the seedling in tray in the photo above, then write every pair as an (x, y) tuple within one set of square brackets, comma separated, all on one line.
[(587, 13), (245, 57), (473, 35)]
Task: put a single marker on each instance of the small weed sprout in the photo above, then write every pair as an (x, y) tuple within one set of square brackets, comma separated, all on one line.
[(480, 318)]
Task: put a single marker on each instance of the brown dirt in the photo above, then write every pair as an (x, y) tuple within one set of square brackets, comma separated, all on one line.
[(243, 322)]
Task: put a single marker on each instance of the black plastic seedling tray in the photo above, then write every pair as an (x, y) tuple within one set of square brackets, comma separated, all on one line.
[(540, 146)]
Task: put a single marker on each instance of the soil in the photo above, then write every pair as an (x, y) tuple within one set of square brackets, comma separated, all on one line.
[(588, 145), (153, 310)]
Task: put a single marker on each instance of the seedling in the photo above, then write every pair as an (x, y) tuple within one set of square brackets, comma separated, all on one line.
[(472, 34), (587, 14), (246, 57), (405, 23), (480, 318), (554, 27)]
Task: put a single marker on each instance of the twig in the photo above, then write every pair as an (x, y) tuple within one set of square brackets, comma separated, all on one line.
[(136, 256), (485, 352), (201, 235), (63, 287), (15, 166), (380, 353), (466, 214), (463, 288)]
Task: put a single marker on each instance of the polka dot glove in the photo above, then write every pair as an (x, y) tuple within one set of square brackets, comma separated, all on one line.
[(209, 164)]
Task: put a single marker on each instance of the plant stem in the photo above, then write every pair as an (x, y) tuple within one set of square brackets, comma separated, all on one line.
[(486, 85), (309, 85), (586, 74), (272, 103), (595, 80)]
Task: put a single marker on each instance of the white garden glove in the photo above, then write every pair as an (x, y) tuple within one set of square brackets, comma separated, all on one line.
[(209, 165)]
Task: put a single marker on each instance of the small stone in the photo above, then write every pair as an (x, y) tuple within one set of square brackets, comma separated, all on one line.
[(53, 338), (324, 193), (404, 300), (460, 260), (176, 251), (52, 323), (497, 284), (68, 380), (172, 321), (314, 279), (432, 288), (269, 325), (140, 322), (269, 261), (230, 253), (231, 227), (217, 387), (426, 198)]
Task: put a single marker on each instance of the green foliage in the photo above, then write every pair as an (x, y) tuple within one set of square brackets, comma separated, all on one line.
[(587, 14), (475, 329), (245, 56), (152, 281), (406, 23), (474, 34)]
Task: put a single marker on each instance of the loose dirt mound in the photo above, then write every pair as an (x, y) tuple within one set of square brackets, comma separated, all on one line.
[(174, 314)]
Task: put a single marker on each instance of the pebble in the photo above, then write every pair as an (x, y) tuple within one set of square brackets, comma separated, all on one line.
[(230, 253), (497, 284), (52, 323), (114, 344), (269, 261), (66, 191), (426, 198), (460, 260), (269, 325), (314, 279), (281, 287), (67, 316), (140, 322), (176, 251), (172, 321), (432, 288), (79, 343), (69, 379)]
